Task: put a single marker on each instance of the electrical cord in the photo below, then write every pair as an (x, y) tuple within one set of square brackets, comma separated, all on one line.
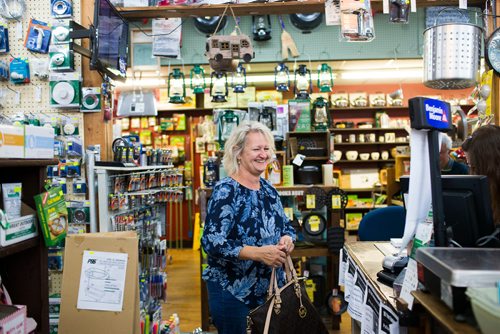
[(487, 238)]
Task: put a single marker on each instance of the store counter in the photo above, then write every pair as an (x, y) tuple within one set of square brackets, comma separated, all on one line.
[(372, 304)]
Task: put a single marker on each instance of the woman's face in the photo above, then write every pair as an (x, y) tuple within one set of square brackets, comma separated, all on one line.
[(255, 155)]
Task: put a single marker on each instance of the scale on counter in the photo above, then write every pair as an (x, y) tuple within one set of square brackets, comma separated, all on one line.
[(447, 272)]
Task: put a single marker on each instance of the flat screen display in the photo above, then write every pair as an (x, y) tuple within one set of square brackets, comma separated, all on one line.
[(110, 47)]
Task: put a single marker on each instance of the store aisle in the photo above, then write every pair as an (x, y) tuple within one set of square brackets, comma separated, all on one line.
[(183, 291)]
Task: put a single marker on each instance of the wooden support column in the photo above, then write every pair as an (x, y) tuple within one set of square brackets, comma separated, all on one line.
[(96, 130)]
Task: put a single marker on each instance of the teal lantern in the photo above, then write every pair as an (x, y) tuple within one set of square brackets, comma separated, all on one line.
[(320, 116), (325, 78), (176, 87), (197, 76), (228, 120)]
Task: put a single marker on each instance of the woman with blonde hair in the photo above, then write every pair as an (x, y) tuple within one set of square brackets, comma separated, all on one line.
[(246, 231)]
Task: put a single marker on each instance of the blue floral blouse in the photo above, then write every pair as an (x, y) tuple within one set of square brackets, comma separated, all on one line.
[(238, 216)]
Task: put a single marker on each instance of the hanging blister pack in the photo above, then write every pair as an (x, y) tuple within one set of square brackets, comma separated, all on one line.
[(38, 36), (61, 8), (60, 32), (19, 71), (61, 58), (4, 39), (65, 90)]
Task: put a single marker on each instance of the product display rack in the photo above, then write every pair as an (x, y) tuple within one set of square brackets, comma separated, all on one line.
[(135, 198), (24, 266)]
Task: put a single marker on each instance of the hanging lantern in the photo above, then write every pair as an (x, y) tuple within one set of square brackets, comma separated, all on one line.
[(228, 120), (218, 86), (302, 83), (239, 79), (320, 114), (197, 76), (281, 78), (176, 87), (266, 117), (325, 78)]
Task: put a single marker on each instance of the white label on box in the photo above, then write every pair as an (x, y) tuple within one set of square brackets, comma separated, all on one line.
[(102, 281), (20, 229), (14, 323)]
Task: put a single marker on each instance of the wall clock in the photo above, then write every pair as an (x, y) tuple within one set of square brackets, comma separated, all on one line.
[(493, 51)]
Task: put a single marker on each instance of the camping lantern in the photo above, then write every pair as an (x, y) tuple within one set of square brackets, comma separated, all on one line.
[(319, 115), (228, 120), (197, 76), (218, 86), (266, 117), (281, 78), (176, 86), (325, 78), (302, 83), (239, 79)]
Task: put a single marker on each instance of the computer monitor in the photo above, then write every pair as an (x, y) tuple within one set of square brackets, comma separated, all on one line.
[(467, 208)]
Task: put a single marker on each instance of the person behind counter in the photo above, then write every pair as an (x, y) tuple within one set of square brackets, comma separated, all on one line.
[(482, 151), (246, 230), (448, 165)]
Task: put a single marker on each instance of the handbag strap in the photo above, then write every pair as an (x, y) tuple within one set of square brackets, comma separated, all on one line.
[(268, 317)]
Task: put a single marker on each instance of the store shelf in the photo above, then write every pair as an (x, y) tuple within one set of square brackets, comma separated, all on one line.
[(372, 144), (364, 129), (310, 252), (364, 161), (258, 8), (27, 162), (19, 247)]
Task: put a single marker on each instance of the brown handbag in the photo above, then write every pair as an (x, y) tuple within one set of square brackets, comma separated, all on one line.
[(288, 309)]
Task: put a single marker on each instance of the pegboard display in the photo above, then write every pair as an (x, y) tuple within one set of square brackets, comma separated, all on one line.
[(33, 97)]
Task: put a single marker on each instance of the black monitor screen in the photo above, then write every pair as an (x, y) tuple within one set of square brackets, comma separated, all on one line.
[(110, 47), (467, 208)]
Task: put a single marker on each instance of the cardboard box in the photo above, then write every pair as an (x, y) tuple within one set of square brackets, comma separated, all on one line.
[(83, 321), (299, 115), (38, 142), (13, 319), (11, 141), (20, 229)]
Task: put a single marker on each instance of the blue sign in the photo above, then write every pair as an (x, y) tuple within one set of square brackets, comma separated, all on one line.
[(437, 113)]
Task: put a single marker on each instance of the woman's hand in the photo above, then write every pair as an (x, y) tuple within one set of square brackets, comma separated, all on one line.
[(272, 255), (286, 244)]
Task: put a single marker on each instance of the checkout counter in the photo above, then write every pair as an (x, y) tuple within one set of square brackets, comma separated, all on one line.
[(373, 305)]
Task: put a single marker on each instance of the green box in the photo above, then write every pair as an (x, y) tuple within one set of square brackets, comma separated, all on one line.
[(53, 216)]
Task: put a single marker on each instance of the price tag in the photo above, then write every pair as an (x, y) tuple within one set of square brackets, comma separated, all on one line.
[(336, 202), (385, 6), (38, 94), (462, 4), (19, 30), (298, 160), (413, 6), (17, 98), (332, 13), (289, 213), (311, 201)]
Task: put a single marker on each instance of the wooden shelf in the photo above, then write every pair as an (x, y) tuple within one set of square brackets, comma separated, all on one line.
[(365, 130), (364, 161), (19, 247), (27, 162), (310, 252), (386, 108), (371, 144), (259, 8)]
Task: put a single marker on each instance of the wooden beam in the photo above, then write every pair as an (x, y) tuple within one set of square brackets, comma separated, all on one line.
[(96, 130)]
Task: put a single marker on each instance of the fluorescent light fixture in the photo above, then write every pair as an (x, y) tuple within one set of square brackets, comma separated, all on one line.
[(385, 74), (144, 82)]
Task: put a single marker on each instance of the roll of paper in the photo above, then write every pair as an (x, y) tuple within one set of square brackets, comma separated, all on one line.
[(327, 174)]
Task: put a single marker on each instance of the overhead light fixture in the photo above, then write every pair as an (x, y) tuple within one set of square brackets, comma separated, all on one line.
[(146, 82), (386, 74)]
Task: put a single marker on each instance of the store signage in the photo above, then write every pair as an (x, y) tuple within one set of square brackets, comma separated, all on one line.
[(429, 114)]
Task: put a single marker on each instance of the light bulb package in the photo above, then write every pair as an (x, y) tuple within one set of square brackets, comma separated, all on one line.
[(19, 71)]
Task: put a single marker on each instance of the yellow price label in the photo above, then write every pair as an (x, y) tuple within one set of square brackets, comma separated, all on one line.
[(289, 213), (311, 201), (314, 223), (336, 202)]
